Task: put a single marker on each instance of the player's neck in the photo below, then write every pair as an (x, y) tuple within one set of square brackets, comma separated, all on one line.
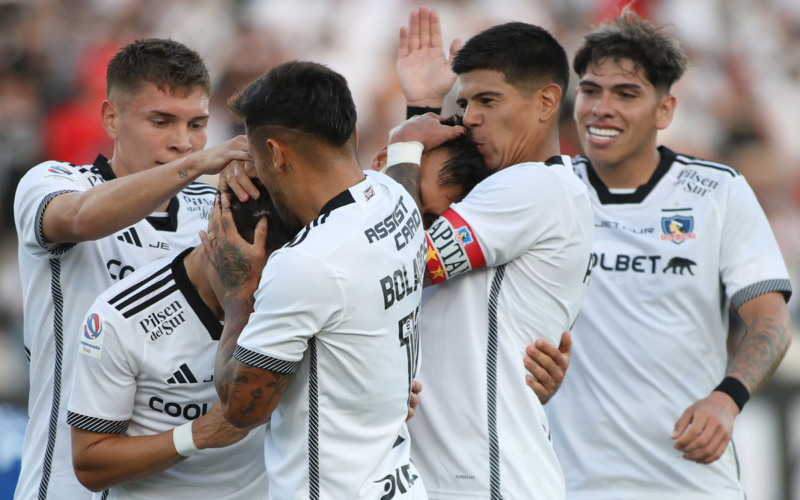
[(538, 149), (318, 189), (631, 173), (121, 170), (201, 274)]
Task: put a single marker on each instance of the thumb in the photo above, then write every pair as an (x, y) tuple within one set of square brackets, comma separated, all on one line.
[(683, 423), (455, 46), (566, 343), (260, 236)]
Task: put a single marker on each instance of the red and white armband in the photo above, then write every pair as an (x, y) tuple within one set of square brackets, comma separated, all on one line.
[(452, 248)]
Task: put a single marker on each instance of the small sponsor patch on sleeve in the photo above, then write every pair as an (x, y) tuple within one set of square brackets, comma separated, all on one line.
[(452, 248), (92, 335), (59, 172)]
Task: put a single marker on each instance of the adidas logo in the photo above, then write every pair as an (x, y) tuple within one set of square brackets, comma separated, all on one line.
[(130, 236), (183, 376)]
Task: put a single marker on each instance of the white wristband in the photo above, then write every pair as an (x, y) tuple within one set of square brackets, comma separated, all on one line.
[(404, 152), (182, 438)]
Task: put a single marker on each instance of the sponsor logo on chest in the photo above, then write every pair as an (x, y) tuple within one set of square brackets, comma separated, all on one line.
[(164, 322)]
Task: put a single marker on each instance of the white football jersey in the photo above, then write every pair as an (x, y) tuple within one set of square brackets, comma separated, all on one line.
[(669, 259), (338, 307), (145, 365), (59, 283), (479, 430)]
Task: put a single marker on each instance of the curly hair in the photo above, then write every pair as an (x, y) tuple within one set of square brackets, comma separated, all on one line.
[(652, 49)]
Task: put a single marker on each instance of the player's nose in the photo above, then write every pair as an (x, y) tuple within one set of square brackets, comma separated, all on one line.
[(472, 118), (180, 140), (602, 106)]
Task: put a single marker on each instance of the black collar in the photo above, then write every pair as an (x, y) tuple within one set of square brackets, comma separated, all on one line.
[(554, 160), (608, 198), (102, 168), (340, 200), (206, 315)]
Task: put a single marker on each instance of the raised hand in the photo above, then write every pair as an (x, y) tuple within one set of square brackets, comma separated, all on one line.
[(422, 66)]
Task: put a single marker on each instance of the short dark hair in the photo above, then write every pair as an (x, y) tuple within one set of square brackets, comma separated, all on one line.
[(246, 216), (527, 55), (651, 48), (302, 97), (169, 65), (465, 167)]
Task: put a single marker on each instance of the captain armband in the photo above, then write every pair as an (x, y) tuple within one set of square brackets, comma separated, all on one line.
[(452, 248)]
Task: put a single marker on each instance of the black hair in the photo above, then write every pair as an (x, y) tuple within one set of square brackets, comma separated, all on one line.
[(169, 65), (299, 96), (246, 216), (660, 55), (527, 55), (465, 166)]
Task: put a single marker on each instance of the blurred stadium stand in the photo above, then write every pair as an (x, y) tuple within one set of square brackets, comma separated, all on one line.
[(738, 105)]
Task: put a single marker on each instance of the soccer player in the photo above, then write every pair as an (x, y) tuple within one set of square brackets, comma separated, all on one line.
[(147, 349), (81, 228), (330, 349), (512, 261), (649, 406)]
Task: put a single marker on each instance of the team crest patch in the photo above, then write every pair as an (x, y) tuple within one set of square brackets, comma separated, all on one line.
[(91, 342), (678, 228), (464, 236)]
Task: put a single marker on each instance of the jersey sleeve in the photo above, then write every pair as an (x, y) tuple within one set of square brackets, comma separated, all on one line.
[(106, 366), (501, 219), (36, 190), (299, 296), (751, 263)]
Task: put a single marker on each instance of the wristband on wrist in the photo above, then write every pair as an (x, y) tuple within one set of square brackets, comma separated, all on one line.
[(735, 389), (182, 438), (404, 152), (412, 111)]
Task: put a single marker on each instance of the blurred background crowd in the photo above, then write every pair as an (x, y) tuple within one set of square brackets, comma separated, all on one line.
[(739, 105)]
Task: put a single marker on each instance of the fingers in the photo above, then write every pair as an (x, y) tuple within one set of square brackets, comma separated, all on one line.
[(402, 49), (260, 235), (207, 248), (424, 27), (683, 423), (695, 429), (700, 442), (538, 366), (413, 41), (230, 183), (436, 30), (416, 387), (240, 181), (551, 352), (227, 215), (538, 389), (455, 46), (250, 170), (711, 450)]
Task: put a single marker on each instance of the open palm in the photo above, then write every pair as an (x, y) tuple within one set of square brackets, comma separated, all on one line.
[(423, 69)]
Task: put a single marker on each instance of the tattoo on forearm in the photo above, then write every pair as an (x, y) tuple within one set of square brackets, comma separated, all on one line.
[(760, 353), (232, 266), (237, 312), (407, 175), (182, 173)]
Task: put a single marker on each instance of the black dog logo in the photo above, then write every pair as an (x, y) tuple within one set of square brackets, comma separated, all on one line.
[(677, 263)]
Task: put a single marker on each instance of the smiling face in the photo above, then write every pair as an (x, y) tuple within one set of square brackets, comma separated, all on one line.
[(619, 112), (503, 121), (151, 127)]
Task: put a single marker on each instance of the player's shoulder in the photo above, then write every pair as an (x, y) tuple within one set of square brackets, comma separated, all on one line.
[(199, 189), (709, 168), (141, 291), (52, 170)]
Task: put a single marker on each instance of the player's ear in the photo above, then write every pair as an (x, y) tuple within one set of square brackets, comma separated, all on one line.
[(665, 111), (277, 155), (356, 132), (109, 114), (549, 100)]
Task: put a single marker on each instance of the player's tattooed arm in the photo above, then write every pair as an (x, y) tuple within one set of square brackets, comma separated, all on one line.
[(764, 344), (705, 428), (407, 175)]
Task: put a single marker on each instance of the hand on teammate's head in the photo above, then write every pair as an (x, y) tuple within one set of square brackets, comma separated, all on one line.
[(427, 129)]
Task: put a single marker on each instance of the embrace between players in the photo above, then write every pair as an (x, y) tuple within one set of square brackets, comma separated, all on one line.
[(303, 310)]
